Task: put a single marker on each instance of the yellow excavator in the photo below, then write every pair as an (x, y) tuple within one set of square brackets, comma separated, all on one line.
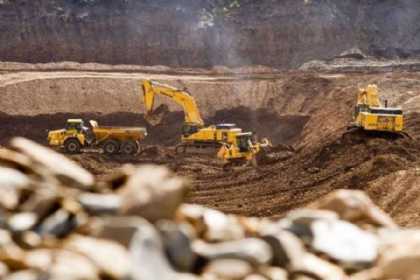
[(371, 115), (233, 144)]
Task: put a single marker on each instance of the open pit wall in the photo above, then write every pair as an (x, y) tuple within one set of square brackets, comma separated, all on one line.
[(49, 93)]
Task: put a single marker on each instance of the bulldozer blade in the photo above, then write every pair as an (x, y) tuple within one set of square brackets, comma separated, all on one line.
[(260, 158)]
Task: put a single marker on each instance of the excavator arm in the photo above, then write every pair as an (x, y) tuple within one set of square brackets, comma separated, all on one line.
[(182, 98)]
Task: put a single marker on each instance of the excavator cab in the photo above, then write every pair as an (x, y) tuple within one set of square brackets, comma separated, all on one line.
[(189, 129), (244, 142)]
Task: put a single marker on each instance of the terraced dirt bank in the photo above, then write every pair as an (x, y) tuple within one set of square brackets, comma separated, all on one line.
[(304, 109)]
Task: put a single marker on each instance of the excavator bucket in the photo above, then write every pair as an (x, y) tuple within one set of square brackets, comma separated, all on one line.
[(155, 118)]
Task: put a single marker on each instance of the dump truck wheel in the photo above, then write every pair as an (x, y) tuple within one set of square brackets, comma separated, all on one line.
[(129, 148), (72, 146), (111, 147)]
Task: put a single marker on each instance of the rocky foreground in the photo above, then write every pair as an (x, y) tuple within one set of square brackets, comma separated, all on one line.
[(57, 222)]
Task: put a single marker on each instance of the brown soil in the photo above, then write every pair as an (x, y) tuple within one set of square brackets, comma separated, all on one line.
[(356, 161)]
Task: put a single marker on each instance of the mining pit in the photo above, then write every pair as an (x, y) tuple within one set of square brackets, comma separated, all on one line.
[(306, 110)]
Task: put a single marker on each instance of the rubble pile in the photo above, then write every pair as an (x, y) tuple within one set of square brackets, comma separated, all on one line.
[(58, 223)]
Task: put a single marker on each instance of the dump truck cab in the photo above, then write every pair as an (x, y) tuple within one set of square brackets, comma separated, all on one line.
[(71, 137)]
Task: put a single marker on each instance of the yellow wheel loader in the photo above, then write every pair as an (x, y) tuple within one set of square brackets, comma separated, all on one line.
[(76, 137), (195, 134), (371, 115)]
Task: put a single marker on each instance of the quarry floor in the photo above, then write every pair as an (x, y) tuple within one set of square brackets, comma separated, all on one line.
[(306, 110)]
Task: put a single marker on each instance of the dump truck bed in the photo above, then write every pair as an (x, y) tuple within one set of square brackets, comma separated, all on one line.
[(120, 133)]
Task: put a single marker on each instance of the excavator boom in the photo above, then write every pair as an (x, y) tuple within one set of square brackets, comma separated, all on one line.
[(182, 98)]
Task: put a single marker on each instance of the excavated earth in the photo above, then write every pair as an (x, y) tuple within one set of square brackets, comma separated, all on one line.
[(307, 110)]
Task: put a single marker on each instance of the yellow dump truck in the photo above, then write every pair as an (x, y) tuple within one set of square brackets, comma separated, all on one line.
[(77, 137)]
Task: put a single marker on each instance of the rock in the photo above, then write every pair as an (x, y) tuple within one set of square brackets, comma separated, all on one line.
[(253, 250), (111, 258), (211, 224), (194, 215), (314, 266), (355, 207), (4, 270), (23, 275), (253, 226), (22, 221), (232, 269), (10, 253), (67, 171), (59, 224), (11, 183), (61, 264), (16, 161), (152, 192), (221, 227), (118, 229), (400, 254), (274, 273), (100, 204), (147, 255), (41, 202), (354, 53), (345, 243), (299, 223), (177, 242), (307, 216), (255, 277), (287, 248), (30, 239)]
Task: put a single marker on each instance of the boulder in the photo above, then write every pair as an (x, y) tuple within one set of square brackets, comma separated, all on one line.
[(61, 264), (152, 192), (232, 269), (65, 170), (344, 243), (253, 250), (111, 258), (356, 207)]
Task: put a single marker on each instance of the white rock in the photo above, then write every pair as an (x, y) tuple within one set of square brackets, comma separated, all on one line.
[(344, 242), (313, 265), (111, 258), (62, 264), (253, 250), (11, 182), (148, 258), (232, 269)]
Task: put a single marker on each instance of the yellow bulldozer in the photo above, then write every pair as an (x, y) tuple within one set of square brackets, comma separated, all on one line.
[(371, 115), (230, 141)]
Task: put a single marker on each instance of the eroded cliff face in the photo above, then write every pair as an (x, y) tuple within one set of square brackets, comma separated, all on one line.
[(279, 33)]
